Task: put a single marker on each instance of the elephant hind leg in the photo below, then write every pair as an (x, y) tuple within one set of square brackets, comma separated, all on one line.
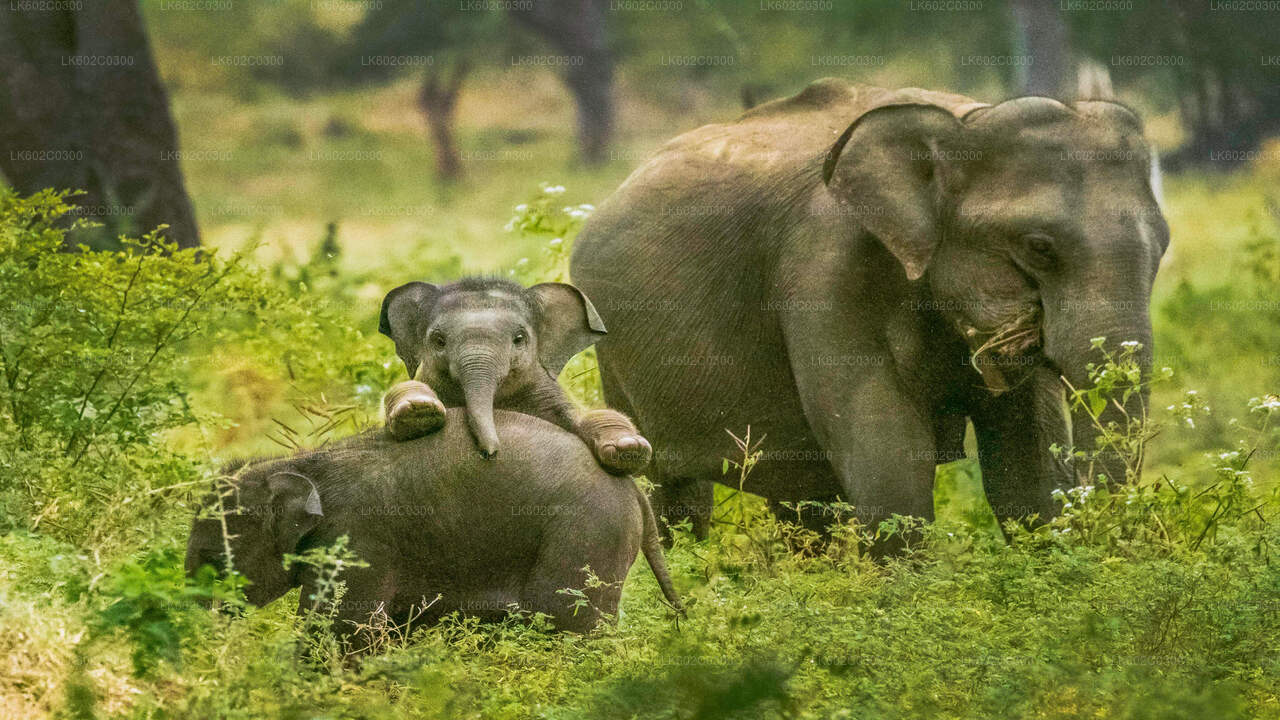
[(676, 500), (557, 596), (581, 566), (818, 516)]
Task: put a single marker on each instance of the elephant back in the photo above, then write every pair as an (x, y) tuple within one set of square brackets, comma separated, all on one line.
[(784, 133)]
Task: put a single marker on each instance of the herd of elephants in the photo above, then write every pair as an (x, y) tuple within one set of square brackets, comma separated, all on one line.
[(856, 274)]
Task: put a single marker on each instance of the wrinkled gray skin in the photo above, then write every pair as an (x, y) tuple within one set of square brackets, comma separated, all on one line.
[(482, 343), (431, 516), (822, 269)]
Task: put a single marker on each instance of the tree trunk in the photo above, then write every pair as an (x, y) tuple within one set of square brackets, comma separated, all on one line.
[(437, 99), (576, 29), (1042, 36), (82, 107)]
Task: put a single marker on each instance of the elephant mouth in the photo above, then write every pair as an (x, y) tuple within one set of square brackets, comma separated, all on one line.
[(1009, 349)]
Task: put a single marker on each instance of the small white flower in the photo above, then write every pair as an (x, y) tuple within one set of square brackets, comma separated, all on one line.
[(556, 242), (521, 207), (1130, 344), (554, 190)]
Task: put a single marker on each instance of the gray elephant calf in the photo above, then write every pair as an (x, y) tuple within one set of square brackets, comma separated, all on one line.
[(482, 343), (432, 517)]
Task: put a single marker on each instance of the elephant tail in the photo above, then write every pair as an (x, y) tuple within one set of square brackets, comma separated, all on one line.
[(651, 545)]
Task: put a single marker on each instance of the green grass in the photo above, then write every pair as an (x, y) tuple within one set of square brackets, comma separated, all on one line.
[(1080, 621)]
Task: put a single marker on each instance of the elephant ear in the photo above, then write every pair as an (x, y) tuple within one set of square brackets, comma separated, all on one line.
[(886, 168), (295, 507), (567, 324), (404, 311)]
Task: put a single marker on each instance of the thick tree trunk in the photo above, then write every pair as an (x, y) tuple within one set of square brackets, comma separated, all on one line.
[(1042, 36), (82, 107), (576, 29), (437, 99), (1228, 98), (592, 86)]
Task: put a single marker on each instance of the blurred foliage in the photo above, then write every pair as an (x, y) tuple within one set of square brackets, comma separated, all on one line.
[(291, 44), (1225, 334), (1210, 65), (1206, 59), (433, 34)]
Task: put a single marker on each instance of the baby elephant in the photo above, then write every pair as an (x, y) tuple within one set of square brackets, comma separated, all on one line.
[(488, 343), (432, 518)]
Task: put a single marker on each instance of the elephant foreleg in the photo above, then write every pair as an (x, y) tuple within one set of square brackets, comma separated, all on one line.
[(613, 438), (1014, 432), (615, 441), (678, 500), (881, 444), (412, 410)]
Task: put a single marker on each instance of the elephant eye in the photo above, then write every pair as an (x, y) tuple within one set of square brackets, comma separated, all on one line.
[(437, 340), (520, 338), (1041, 248)]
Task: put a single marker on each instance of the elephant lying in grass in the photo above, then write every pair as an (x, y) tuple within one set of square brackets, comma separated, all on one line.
[(432, 517)]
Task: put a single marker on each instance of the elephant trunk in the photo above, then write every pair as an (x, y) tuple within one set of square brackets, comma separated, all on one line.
[(1052, 423), (478, 373), (1088, 430)]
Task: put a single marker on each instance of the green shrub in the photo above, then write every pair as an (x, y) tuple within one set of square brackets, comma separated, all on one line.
[(102, 352)]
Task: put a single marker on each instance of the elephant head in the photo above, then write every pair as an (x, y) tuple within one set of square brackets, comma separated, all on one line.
[(478, 341), (1033, 225), (267, 509)]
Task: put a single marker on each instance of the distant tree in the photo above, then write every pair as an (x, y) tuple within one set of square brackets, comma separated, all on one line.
[(577, 30), (437, 98), (1042, 38), (82, 107), (1219, 64), (437, 39)]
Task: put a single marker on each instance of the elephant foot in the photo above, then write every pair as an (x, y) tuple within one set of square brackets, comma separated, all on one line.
[(414, 416), (623, 453)]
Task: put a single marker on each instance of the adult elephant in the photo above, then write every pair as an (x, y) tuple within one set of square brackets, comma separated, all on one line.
[(825, 269)]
